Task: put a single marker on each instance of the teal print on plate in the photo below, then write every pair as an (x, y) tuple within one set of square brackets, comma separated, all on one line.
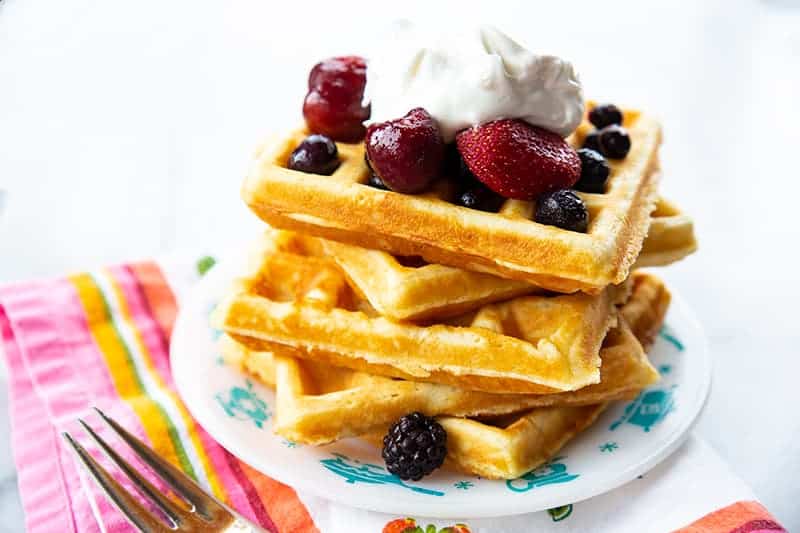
[(244, 404), (668, 335), (608, 447), (648, 409), (354, 471), (549, 474), (464, 485)]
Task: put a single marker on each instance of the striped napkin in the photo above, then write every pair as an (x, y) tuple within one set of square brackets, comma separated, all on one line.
[(101, 339)]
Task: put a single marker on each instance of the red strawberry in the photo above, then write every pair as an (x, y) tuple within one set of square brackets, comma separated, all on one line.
[(400, 525), (517, 160)]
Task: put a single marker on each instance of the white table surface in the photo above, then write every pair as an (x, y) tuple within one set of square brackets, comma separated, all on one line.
[(125, 128)]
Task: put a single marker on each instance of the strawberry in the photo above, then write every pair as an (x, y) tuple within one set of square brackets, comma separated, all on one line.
[(400, 525), (517, 160)]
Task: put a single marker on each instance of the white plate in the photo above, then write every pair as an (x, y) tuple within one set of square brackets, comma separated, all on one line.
[(628, 440)]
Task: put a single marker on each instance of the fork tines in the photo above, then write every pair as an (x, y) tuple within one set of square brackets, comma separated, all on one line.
[(197, 511)]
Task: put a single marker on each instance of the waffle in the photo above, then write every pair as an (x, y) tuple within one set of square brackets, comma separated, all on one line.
[(507, 244), (408, 289), (671, 236), (319, 403), (509, 446), (533, 344)]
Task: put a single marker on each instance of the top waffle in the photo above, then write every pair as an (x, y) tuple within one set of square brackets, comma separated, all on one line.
[(508, 243)]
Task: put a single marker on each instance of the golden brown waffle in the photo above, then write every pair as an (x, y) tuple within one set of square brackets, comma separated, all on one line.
[(534, 344), (408, 289), (508, 447), (508, 243), (671, 236), (319, 403)]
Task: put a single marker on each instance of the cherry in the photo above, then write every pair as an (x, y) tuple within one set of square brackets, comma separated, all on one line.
[(406, 153), (333, 105)]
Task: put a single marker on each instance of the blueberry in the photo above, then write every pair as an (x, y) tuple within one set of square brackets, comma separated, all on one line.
[(605, 115), (594, 171), (563, 209), (480, 197), (614, 142), (374, 180), (317, 154), (471, 192), (592, 141)]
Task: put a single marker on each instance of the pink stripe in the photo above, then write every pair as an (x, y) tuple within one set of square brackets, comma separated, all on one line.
[(66, 374), (155, 344)]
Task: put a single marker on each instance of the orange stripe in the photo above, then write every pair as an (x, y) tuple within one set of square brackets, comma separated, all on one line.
[(282, 503), (729, 518), (163, 305)]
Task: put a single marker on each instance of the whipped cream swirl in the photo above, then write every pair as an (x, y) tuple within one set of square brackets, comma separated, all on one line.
[(470, 78)]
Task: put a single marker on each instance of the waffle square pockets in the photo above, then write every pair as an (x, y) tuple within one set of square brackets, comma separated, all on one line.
[(293, 296), (508, 243)]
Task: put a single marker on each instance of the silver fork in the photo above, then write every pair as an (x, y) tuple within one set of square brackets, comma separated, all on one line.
[(199, 512)]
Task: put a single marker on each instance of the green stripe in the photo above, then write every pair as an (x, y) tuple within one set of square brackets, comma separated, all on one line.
[(177, 444)]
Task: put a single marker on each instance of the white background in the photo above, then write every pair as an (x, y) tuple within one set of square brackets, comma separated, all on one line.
[(126, 127)]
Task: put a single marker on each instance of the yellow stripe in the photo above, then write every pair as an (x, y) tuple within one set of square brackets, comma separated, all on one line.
[(216, 486), (126, 382)]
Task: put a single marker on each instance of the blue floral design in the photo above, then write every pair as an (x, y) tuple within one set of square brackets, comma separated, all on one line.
[(354, 471), (548, 474), (244, 404), (648, 409)]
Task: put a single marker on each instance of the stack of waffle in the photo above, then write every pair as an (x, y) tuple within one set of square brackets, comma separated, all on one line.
[(368, 305)]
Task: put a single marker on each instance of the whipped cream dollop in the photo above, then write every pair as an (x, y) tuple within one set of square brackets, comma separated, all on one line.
[(472, 77)]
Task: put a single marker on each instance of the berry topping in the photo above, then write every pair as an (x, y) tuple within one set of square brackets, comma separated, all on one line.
[(614, 142), (406, 153), (605, 115), (563, 209), (317, 154), (334, 103), (517, 160), (592, 141), (482, 198), (594, 171), (374, 180), (470, 192), (414, 447)]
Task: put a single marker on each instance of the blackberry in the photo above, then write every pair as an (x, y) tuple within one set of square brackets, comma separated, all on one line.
[(414, 447), (605, 115), (563, 209), (317, 154), (594, 171)]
